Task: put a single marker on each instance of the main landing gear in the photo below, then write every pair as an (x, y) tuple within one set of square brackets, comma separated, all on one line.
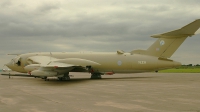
[(95, 76), (65, 77), (45, 78)]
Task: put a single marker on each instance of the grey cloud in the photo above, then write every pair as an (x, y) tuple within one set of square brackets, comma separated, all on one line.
[(5, 3), (92, 25), (47, 7)]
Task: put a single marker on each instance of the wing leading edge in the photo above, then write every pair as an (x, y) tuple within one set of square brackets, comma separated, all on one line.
[(49, 66)]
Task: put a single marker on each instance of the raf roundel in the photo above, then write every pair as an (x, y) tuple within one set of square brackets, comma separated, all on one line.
[(119, 63), (162, 42)]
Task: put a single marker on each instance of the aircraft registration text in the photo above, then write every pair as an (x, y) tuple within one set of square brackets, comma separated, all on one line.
[(142, 62)]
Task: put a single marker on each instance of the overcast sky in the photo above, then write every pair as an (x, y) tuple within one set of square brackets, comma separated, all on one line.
[(94, 25)]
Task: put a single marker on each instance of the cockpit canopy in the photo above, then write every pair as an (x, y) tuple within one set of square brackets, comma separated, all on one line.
[(17, 60)]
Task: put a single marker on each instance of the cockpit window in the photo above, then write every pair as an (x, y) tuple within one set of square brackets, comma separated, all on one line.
[(17, 61)]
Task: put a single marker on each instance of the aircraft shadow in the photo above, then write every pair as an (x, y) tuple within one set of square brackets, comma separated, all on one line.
[(56, 82)]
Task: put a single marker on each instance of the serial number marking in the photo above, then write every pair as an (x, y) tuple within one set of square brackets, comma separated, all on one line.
[(142, 62)]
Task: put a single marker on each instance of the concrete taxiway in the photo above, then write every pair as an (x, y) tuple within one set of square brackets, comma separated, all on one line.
[(117, 93)]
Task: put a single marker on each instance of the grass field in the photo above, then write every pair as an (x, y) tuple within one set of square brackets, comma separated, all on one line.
[(181, 70)]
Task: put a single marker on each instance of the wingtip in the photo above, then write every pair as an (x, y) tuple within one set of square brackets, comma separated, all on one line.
[(197, 19)]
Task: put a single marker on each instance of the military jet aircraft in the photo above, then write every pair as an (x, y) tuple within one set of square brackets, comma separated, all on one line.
[(59, 64)]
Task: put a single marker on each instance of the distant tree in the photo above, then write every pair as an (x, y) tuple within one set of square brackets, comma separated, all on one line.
[(189, 65)]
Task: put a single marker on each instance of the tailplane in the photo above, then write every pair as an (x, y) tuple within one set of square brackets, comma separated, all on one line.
[(167, 43)]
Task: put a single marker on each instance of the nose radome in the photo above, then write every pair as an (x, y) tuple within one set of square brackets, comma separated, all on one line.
[(9, 65)]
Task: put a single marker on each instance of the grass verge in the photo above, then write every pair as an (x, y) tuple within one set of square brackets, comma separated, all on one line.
[(194, 70)]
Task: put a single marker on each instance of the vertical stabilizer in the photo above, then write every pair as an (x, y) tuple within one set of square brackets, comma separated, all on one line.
[(168, 43), (165, 47)]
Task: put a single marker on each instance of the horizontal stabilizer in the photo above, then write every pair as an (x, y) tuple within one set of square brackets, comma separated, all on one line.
[(185, 31), (120, 52)]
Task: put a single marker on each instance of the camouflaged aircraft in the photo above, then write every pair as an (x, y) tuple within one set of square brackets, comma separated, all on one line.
[(59, 64)]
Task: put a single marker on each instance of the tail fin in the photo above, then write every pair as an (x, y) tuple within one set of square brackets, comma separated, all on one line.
[(168, 43)]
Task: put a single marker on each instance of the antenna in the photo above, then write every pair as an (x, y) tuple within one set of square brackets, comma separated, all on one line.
[(14, 54), (50, 56)]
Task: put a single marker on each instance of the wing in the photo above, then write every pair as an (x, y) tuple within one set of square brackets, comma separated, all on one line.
[(40, 60), (22, 75), (49, 66)]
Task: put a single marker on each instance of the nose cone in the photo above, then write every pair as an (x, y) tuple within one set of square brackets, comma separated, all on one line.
[(9, 65), (15, 67)]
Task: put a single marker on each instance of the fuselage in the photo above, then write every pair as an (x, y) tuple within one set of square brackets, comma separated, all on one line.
[(108, 62)]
